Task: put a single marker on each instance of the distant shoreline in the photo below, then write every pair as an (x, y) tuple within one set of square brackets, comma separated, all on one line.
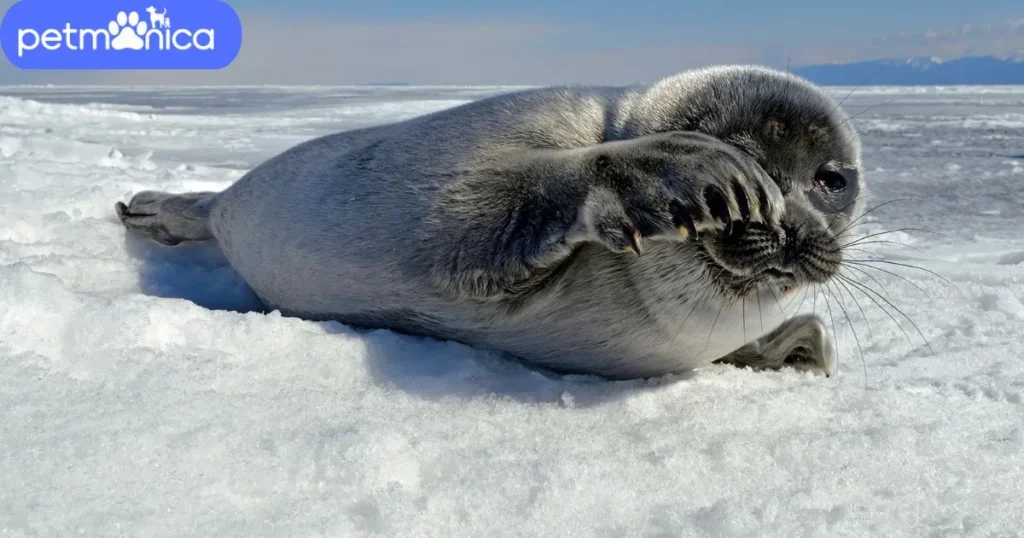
[(974, 71)]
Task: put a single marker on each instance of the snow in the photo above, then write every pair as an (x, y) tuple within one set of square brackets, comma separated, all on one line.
[(142, 394)]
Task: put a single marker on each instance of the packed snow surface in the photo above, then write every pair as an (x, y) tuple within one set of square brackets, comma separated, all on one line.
[(142, 394)]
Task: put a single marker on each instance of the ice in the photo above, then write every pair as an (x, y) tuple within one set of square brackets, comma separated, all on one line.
[(143, 391)]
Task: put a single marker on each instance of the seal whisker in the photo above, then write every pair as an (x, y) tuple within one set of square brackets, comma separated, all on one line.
[(845, 137), (907, 265), (864, 288), (743, 314), (888, 242), (760, 315), (840, 103), (802, 301), (875, 280), (828, 308), (697, 302), (853, 330), (876, 234), (777, 302), (894, 274), (872, 75), (790, 303), (814, 303), (870, 108), (712, 331), (871, 334), (839, 214), (865, 213), (873, 255)]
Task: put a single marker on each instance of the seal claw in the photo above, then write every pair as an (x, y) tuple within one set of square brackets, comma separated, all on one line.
[(684, 223), (635, 240), (719, 207), (742, 203)]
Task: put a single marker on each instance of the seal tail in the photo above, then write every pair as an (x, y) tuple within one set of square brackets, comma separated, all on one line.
[(168, 218)]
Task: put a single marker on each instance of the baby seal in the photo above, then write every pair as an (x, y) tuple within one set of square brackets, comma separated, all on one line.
[(622, 232)]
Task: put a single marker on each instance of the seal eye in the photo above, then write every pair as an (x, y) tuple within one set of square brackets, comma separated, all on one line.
[(830, 181)]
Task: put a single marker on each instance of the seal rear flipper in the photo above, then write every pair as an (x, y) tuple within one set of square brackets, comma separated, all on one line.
[(168, 218), (801, 342)]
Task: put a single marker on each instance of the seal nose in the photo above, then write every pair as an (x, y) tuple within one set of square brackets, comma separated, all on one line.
[(793, 237)]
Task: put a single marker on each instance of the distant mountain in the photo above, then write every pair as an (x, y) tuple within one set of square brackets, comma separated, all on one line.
[(919, 72)]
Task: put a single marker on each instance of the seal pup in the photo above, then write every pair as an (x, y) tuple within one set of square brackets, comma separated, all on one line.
[(623, 232)]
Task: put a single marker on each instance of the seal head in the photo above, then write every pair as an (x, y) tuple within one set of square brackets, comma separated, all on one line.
[(799, 136)]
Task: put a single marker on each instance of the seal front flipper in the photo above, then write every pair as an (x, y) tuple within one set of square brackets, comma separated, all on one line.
[(513, 215), (168, 218), (678, 184)]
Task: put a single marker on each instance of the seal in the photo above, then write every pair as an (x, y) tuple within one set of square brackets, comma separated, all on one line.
[(622, 232)]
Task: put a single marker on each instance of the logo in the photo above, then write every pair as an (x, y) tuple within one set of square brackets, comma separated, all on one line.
[(120, 34)]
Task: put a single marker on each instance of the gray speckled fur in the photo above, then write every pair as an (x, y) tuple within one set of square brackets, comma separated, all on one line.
[(494, 223)]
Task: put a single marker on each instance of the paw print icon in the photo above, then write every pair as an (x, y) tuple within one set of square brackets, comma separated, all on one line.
[(127, 31)]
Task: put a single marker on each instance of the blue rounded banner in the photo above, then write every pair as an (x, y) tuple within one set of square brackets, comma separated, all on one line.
[(121, 34)]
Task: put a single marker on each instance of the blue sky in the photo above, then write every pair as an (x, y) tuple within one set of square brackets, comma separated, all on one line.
[(668, 19), (576, 41), (893, 13)]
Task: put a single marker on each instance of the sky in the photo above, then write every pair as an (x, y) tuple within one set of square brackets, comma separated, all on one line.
[(574, 41), (652, 21)]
